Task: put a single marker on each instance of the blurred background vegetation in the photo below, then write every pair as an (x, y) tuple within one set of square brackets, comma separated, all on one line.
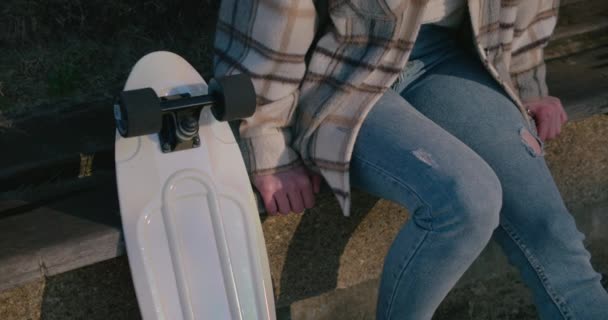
[(52, 51)]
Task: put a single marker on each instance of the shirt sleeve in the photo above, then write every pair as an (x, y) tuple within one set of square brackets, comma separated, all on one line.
[(268, 41), (533, 29)]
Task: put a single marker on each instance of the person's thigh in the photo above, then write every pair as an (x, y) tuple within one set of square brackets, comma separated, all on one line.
[(452, 194), (536, 230), (398, 145)]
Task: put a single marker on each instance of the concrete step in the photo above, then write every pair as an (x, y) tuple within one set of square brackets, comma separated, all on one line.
[(491, 289), (105, 291)]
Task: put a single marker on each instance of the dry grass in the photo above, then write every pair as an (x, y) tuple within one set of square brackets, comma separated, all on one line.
[(80, 50), (57, 50)]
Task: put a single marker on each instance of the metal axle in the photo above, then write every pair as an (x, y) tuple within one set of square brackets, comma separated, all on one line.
[(178, 104)]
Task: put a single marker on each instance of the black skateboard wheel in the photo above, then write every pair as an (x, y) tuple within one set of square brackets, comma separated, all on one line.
[(235, 97), (138, 113)]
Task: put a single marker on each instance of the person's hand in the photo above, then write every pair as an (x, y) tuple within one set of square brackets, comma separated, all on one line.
[(288, 191), (549, 115)]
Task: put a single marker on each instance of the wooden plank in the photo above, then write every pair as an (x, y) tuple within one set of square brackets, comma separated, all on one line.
[(61, 236), (567, 46), (581, 82), (50, 144), (582, 25), (566, 2), (590, 25)]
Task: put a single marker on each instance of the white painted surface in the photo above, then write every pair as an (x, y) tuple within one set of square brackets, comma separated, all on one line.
[(191, 224)]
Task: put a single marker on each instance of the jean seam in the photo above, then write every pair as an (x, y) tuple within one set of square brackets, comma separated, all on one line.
[(405, 263), (402, 185), (539, 270)]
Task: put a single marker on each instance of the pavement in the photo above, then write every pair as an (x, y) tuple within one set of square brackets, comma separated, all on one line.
[(104, 291)]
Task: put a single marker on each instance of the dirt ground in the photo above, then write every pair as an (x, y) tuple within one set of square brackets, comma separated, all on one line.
[(105, 291)]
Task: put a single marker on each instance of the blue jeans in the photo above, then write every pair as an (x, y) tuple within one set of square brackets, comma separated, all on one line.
[(447, 144)]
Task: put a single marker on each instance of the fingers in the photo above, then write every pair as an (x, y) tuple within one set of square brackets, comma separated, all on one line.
[(285, 202), (308, 197), (557, 123), (305, 192), (295, 200), (561, 118), (269, 203), (557, 105), (550, 116), (543, 129), (550, 125), (282, 201), (289, 191)]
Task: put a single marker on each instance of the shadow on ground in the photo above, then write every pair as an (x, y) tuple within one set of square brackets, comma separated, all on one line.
[(314, 255), (101, 291)]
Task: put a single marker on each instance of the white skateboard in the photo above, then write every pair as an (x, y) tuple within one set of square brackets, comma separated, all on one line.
[(189, 216)]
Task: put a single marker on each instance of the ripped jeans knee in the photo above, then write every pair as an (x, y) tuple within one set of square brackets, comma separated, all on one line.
[(533, 144)]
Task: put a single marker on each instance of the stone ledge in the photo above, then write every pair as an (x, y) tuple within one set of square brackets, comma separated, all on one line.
[(358, 301)]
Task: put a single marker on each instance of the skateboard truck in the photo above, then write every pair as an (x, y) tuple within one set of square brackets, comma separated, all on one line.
[(176, 118)]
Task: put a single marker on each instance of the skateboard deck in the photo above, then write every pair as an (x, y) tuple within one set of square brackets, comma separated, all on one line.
[(191, 225)]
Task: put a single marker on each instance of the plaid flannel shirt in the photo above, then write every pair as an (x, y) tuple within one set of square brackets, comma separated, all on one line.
[(319, 66)]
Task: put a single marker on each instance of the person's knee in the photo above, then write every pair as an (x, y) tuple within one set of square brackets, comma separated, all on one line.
[(476, 200), (484, 215)]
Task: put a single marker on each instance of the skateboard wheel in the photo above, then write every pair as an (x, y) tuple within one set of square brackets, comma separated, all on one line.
[(138, 113), (235, 97)]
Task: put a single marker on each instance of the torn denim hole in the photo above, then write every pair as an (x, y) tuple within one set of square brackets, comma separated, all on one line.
[(533, 144), (425, 157)]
